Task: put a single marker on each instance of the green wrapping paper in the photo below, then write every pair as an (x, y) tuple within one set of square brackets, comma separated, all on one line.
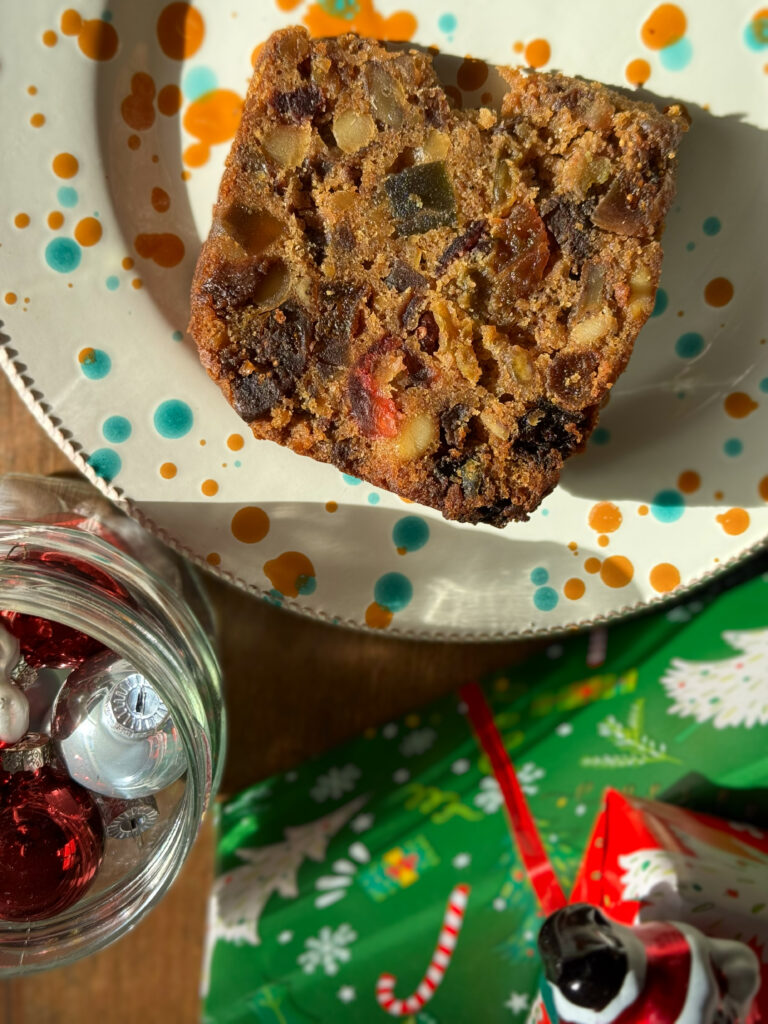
[(338, 872)]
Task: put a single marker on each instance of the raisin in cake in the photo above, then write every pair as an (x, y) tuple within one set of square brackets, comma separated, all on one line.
[(434, 300)]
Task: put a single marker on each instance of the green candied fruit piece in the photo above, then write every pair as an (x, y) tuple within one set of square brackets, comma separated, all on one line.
[(421, 198)]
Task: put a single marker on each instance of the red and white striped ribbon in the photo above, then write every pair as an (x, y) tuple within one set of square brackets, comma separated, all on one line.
[(449, 933)]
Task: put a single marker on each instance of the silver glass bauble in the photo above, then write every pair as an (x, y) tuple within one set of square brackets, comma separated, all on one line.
[(114, 733), (14, 706)]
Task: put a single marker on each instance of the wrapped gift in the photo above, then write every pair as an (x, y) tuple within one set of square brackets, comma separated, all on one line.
[(383, 879)]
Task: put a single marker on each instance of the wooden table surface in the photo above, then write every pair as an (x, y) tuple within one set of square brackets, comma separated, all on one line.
[(294, 687)]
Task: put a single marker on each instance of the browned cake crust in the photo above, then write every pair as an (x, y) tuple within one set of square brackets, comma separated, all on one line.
[(434, 300)]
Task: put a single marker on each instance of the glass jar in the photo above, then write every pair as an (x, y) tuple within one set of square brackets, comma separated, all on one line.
[(69, 557)]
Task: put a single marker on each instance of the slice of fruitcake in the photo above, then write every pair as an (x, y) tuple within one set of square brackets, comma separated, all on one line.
[(434, 300)]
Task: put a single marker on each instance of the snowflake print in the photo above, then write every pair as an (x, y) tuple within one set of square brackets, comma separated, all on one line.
[(462, 860), (361, 823), (389, 731), (332, 888), (400, 776), (327, 950), (489, 798), (461, 766), (335, 783), (347, 994), (564, 729), (517, 1002), (417, 742), (528, 775), (284, 937)]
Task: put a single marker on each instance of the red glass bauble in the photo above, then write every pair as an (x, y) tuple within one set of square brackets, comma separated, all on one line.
[(44, 642), (51, 843)]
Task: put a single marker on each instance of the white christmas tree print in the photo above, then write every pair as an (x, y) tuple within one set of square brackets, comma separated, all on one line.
[(637, 747), (721, 890), (239, 896), (730, 692)]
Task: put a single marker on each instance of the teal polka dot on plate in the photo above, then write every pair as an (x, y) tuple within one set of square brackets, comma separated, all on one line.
[(198, 81), (601, 436), (94, 362), (373, 498), (677, 56), (711, 226), (393, 591), (733, 446), (539, 576), (662, 301), (173, 419), (545, 599), (410, 533), (689, 345), (116, 429), (351, 480), (447, 22), (668, 506), (763, 385), (105, 463), (306, 585), (756, 34), (67, 196), (63, 255), (112, 283), (177, 336)]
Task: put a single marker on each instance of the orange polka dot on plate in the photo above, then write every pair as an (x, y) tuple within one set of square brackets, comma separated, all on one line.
[(209, 488), (55, 220), (665, 25), (689, 481), (592, 565), (616, 571), (718, 292), (377, 617), (127, 263), (250, 524), (134, 142), (332, 506), (642, 510), (738, 405), (213, 558), (37, 120), (605, 517), (169, 100), (637, 72), (65, 165), (168, 471), (762, 488), (235, 442), (603, 540), (88, 231), (664, 577), (574, 589), (21, 220), (71, 22), (537, 53), (180, 30), (50, 38), (734, 521), (10, 298)]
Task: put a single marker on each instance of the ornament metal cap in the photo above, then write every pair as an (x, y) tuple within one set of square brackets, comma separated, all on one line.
[(128, 819), (30, 754), (134, 708)]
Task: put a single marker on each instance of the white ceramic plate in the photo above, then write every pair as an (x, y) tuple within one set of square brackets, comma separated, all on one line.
[(94, 300)]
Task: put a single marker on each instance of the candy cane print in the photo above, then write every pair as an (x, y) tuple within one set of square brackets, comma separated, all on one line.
[(449, 934)]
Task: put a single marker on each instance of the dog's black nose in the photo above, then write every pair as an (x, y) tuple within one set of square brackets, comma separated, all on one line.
[(583, 957)]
